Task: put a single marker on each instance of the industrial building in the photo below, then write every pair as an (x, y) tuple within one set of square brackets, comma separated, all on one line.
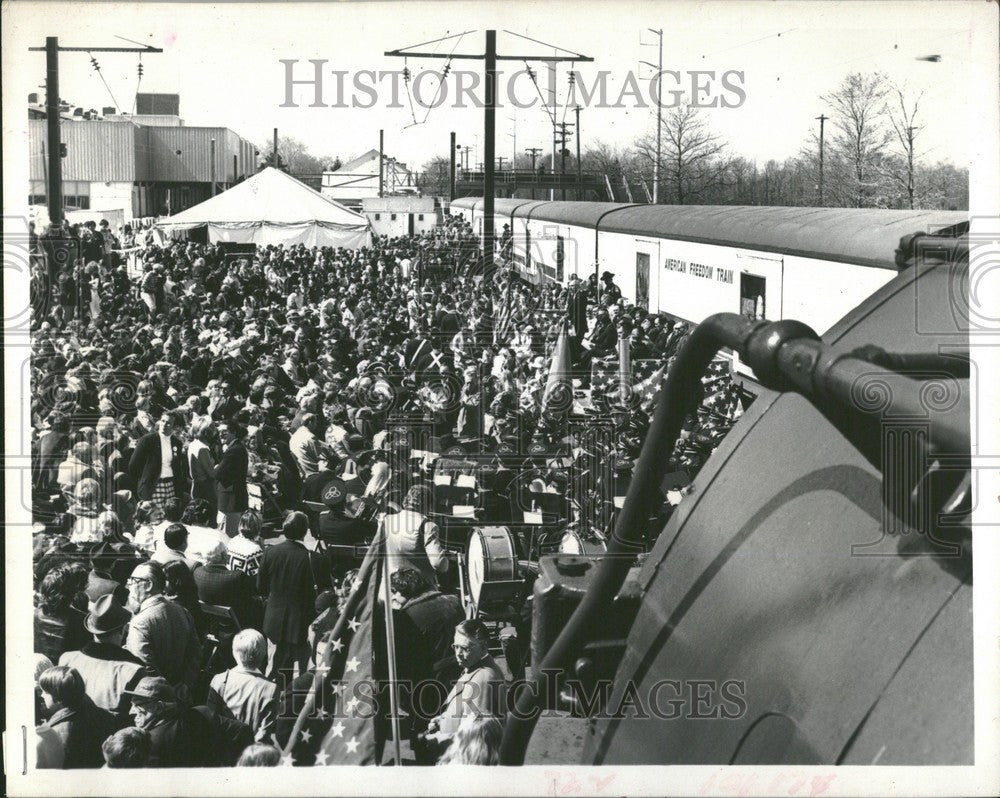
[(143, 164)]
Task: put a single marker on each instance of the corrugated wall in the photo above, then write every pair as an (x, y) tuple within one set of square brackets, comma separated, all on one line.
[(97, 151), (161, 162), (123, 152)]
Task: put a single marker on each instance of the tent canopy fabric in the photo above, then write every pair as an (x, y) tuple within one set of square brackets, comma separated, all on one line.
[(273, 208)]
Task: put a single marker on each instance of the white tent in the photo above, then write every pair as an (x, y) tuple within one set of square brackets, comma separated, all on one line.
[(273, 208)]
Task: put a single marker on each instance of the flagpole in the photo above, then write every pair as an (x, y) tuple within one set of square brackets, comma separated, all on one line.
[(390, 647), (624, 368)]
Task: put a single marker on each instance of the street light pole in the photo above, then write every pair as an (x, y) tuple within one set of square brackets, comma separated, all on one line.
[(658, 66)]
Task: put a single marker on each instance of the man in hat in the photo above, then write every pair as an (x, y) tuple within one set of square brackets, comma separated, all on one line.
[(180, 737), (337, 528), (107, 668), (609, 291)]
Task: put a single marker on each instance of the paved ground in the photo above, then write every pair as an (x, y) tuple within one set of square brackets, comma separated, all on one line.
[(557, 740)]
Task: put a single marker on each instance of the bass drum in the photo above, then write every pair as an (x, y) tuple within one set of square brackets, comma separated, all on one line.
[(492, 557), (574, 543)]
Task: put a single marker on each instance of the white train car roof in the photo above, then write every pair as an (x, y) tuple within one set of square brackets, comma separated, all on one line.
[(865, 236)]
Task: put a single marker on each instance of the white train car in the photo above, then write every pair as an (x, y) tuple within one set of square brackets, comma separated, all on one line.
[(810, 264)]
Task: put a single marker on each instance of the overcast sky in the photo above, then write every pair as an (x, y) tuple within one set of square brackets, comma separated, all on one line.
[(224, 61)]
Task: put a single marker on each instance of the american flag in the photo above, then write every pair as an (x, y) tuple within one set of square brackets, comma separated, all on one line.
[(340, 726), (604, 379)]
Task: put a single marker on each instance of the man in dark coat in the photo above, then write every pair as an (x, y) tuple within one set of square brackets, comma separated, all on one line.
[(180, 736), (337, 528), (427, 624), (286, 581), (218, 585), (156, 477), (576, 310), (231, 477)]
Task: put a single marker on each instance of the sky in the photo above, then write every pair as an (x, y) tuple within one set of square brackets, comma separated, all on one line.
[(225, 62)]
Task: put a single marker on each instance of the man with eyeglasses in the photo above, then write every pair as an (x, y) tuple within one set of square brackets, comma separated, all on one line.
[(479, 691), (162, 633)]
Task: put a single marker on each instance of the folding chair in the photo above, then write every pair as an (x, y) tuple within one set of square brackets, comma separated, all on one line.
[(222, 625)]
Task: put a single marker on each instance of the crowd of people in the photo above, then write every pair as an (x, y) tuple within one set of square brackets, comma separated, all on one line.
[(216, 441)]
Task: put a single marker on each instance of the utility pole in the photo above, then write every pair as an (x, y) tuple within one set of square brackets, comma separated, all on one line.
[(658, 66), (564, 135), (451, 179), (490, 58), (910, 184), (381, 160), (822, 118), (579, 167), (58, 247), (465, 157), (534, 152), (274, 152)]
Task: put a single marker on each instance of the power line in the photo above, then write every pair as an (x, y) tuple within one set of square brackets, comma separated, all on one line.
[(544, 44), (752, 41)]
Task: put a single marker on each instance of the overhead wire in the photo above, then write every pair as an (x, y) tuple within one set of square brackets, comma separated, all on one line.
[(442, 76), (97, 69)]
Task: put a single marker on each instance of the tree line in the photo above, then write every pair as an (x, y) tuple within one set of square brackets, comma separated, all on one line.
[(871, 158)]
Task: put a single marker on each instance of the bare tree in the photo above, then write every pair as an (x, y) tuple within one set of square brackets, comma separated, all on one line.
[(435, 177), (693, 158), (901, 168), (294, 157), (860, 139)]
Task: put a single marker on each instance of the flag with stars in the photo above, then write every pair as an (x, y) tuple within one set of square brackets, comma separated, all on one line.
[(340, 726), (605, 380)]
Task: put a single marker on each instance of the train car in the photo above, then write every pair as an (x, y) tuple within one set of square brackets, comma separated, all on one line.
[(559, 240), (811, 264), (810, 602)]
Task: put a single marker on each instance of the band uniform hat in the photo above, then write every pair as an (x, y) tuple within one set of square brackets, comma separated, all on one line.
[(152, 688), (334, 493), (106, 616)]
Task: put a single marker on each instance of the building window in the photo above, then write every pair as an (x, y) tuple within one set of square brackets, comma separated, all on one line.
[(378, 216), (76, 194), (392, 218), (420, 217)]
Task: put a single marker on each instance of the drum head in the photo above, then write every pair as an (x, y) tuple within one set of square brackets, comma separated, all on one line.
[(492, 556), (573, 543), (477, 565)]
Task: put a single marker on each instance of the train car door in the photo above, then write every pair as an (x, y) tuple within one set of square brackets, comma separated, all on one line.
[(760, 291), (753, 296), (647, 288), (642, 280)]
